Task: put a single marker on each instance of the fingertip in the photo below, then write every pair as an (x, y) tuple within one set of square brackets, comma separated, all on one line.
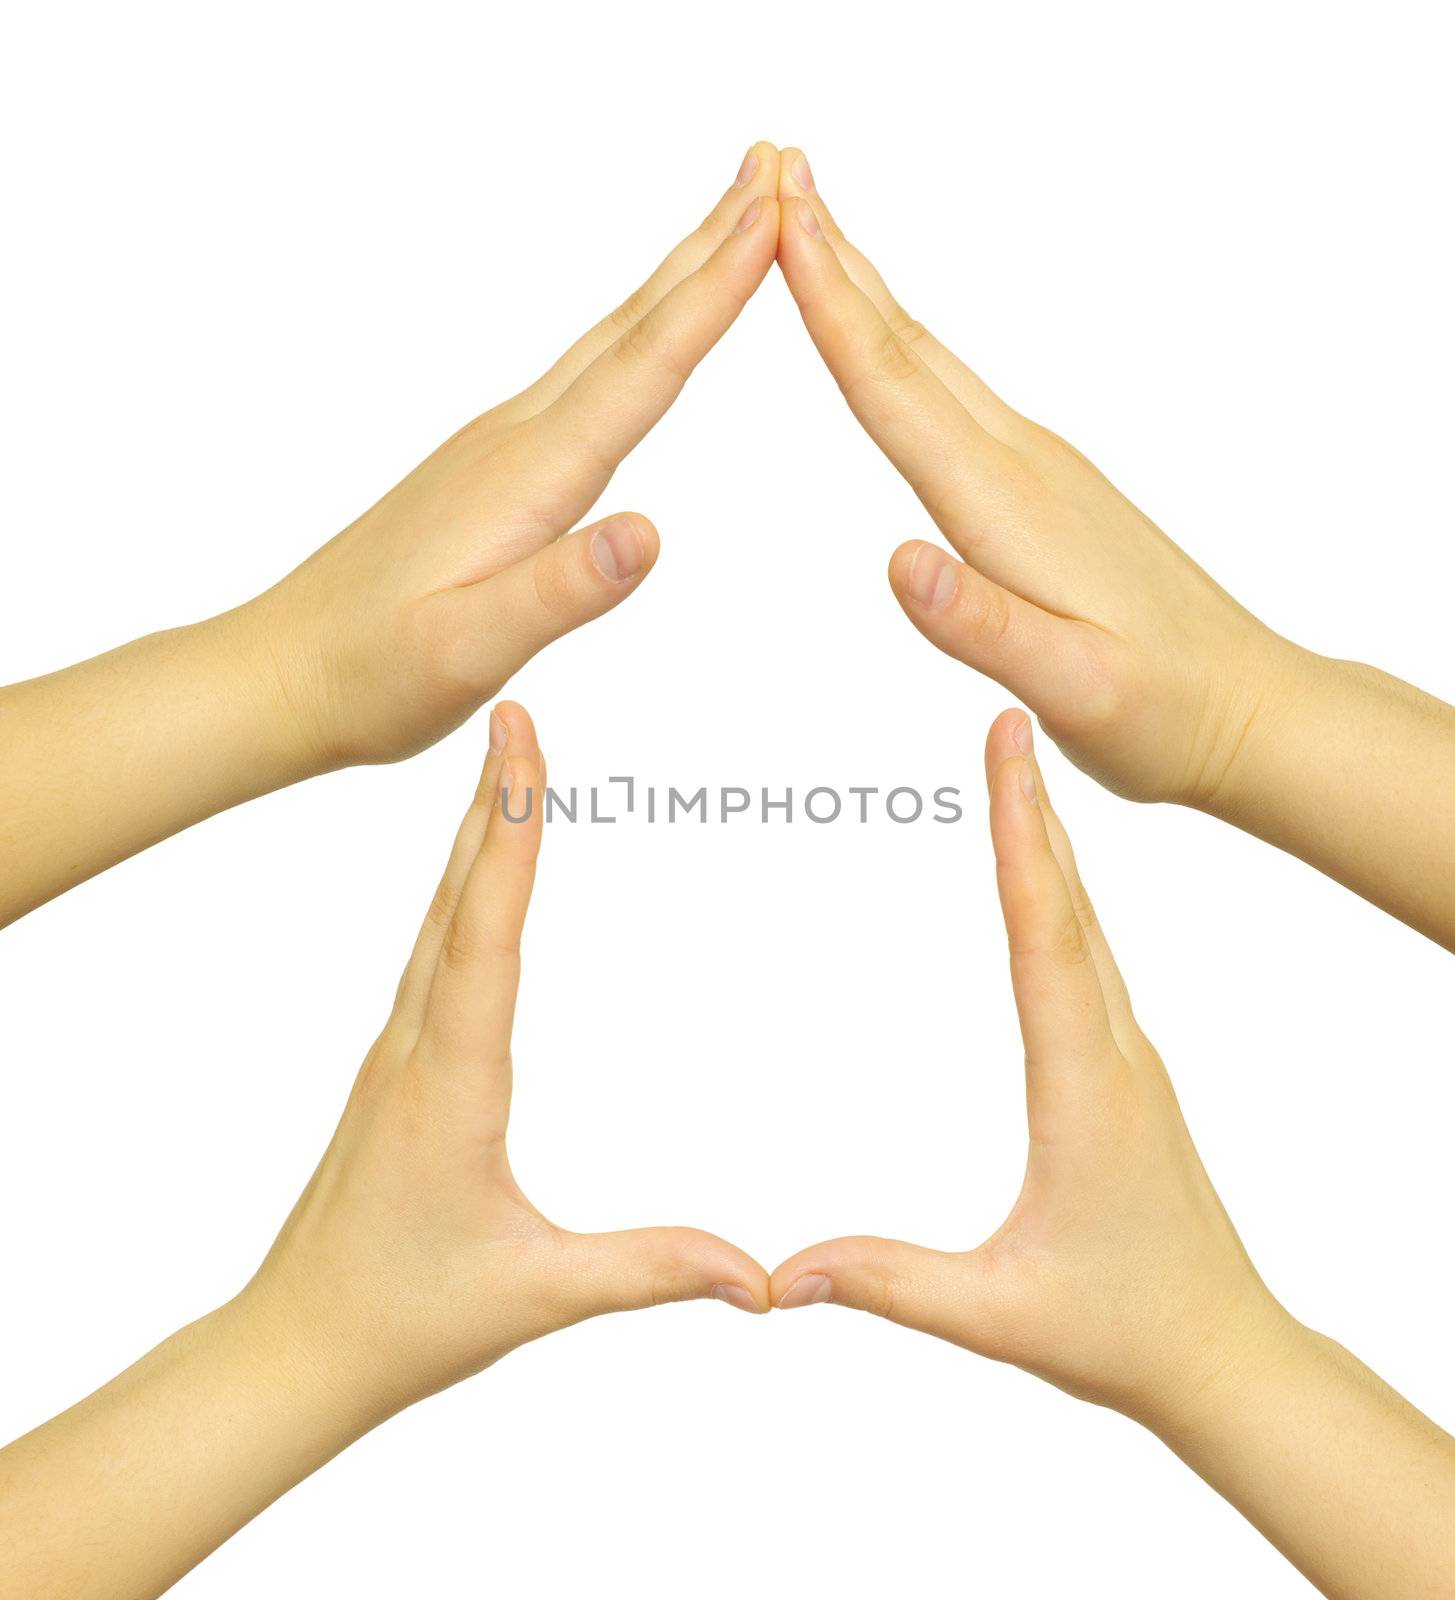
[(739, 1297), (760, 219), (806, 219), (807, 1289), (805, 1279), (901, 564), (1009, 735), (764, 158), (798, 234), (623, 548), (1017, 830), (652, 1266), (862, 1272), (795, 176), (719, 1270), (512, 727), (926, 580)]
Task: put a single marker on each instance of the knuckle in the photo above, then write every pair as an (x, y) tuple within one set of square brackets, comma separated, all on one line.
[(1085, 910), (459, 950), (444, 665), (886, 362), (1068, 946), (910, 332), (441, 909), (986, 611), (882, 1296), (550, 584), (1064, 944), (631, 310), (641, 345), (891, 358)]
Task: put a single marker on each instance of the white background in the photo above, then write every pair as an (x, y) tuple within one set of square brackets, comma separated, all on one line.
[(260, 261)]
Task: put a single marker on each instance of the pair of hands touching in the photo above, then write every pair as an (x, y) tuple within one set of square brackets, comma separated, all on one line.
[(1145, 672), (413, 1259)]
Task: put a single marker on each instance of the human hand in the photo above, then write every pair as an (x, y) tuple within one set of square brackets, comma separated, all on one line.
[(412, 1259), (399, 628), (1117, 1274), (1147, 674)]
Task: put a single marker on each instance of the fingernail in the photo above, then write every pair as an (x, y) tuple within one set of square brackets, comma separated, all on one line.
[(746, 171), (731, 1295), (810, 1290), (616, 548), (932, 578), (1022, 736), (1028, 780), (802, 176), (499, 733), (750, 216), (806, 219)]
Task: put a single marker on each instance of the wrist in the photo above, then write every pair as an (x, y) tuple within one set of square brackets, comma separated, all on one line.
[(279, 692), (1274, 681), (296, 1351), (1229, 1369)]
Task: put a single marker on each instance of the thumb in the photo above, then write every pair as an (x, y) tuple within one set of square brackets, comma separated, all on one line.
[(934, 1291), (505, 619), (643, 1267), (1046, 660)]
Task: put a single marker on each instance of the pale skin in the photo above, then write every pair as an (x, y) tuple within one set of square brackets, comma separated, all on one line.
[(412, 1261), (1147, 675), (1118, 1276), (398, 629)]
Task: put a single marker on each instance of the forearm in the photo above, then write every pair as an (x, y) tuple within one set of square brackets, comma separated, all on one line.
[(1346, 1478), (1353, 771), (105, 758), (121, 1495)]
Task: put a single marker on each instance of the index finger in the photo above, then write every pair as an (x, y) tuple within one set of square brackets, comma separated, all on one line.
[(992, 413), (617, 400), (758, 175), (1058, 993), (471, 1003), (958, 470)]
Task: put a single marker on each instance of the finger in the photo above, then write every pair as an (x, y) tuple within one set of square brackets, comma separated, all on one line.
[(643, 1267), (471, 1003), (933, 1291), (495, 626), (967, 480), (1048, 660), (409, 1002), (567, 454), (1058, 995), (796, 181), (758, 175), (1010, 735)]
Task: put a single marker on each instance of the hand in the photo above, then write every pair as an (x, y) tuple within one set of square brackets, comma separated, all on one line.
[(398, 629), (413, 1259), (401, 627), (1117, 1274), (1144, 672)]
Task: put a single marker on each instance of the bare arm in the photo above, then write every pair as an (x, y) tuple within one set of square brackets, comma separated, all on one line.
[(1119, 1277), (1145, 672), (398, 629), (412, 1261)]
